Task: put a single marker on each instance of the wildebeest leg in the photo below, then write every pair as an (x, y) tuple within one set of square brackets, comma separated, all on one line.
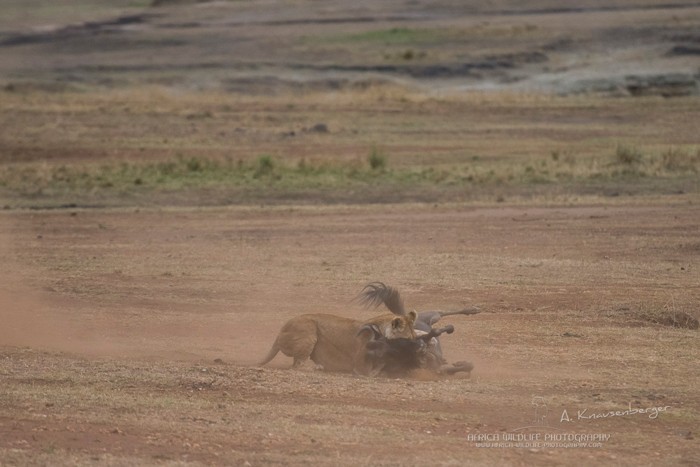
[(426, 319), (436, 332), (434, 344), (447, 369), (372, 371), (456, 368)]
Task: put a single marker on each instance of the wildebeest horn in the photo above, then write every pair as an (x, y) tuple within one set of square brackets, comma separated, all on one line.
[(376, 293)]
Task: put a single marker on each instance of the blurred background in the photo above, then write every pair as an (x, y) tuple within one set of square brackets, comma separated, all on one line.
[(616, 47)]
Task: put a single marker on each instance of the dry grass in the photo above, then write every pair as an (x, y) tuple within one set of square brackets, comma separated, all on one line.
[(149, 144), (645, 314)]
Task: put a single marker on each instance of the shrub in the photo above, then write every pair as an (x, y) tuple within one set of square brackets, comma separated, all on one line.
[(376, 160), (627, 155), (193, 164), (265, 166)]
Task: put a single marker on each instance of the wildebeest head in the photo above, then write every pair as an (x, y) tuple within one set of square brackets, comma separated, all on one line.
[(398, 356), (394, 357)]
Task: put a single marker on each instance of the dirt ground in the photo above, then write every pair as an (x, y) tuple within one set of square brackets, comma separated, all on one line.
[(179, 178), (130, 335)]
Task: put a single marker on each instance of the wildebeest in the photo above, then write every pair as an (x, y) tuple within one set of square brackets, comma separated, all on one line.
[(398, 356), (395, 356)]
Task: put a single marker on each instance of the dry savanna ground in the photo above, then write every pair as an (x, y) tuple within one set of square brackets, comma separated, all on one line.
[(129, 334), (166, 205)]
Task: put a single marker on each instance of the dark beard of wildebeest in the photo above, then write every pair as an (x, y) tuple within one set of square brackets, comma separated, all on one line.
[(377, 293)]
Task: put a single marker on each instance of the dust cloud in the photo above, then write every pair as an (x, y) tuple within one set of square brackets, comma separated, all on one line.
[(49, 321), (29, 320), (24, 317)]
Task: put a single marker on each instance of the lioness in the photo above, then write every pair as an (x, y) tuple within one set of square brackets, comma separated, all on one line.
[(334, 342)]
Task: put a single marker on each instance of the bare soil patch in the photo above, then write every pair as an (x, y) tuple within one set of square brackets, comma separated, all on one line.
[(128, 334)]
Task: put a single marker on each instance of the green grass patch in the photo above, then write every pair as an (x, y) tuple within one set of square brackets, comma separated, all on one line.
[(181, 173), (393, 36), (268, 175)]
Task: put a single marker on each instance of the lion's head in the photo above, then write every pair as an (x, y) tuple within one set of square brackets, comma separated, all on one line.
[(394, 327)]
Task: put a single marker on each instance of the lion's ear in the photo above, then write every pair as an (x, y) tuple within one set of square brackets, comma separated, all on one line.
[(397, 323), (412, 316)]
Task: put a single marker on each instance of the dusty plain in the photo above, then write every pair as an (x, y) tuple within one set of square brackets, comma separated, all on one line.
[(178, 180)]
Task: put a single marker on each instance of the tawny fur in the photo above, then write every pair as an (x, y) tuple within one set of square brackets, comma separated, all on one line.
[(333, 341)]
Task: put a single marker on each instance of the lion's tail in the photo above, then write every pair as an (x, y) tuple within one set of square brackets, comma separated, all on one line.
[(273, 351)]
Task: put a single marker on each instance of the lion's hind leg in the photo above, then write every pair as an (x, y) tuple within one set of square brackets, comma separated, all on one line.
[(300, 348), (298, 340), (299, 361)]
